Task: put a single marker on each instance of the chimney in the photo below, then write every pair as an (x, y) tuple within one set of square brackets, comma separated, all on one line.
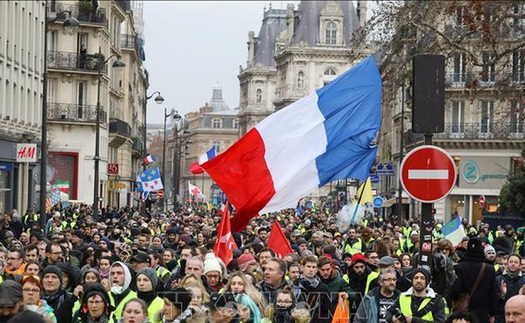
[(361, 12), (251, 48)]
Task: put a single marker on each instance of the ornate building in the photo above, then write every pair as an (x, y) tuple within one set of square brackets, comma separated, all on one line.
[(484, 123)]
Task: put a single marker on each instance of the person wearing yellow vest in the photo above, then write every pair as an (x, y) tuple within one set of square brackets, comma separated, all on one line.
[(419, 304), (120, 292), (353, 244), (147, 282), (359, 276)]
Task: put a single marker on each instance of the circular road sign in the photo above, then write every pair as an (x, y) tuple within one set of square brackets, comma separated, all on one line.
[(428, 173), (160, 194), (482, 201), (378, 201)]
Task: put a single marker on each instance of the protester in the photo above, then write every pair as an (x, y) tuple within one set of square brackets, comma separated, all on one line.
[(95, 307), (31, 288), (374, 306)]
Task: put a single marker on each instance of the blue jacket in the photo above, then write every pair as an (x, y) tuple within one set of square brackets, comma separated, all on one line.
[(367, 312)]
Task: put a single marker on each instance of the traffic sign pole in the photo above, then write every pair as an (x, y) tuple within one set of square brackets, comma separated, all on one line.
[(426, 225)]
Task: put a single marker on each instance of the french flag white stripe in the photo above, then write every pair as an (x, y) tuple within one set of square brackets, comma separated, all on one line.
[(293, 137), (427, 174)]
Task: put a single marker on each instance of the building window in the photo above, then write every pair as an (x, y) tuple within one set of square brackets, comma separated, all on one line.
[(488, 67), (330, 72), (258, 96), (486, 116), (458, 117), (518, 64), (216, 123), (331, 33), (300, 80), (518, 21), (516, 118), (459, 75), (236, 124)]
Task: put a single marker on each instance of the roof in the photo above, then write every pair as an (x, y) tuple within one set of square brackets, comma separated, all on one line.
[(273, 23), (307, 21), (217, 102)]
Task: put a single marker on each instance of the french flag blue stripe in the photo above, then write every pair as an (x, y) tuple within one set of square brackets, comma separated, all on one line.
[(352, 121)]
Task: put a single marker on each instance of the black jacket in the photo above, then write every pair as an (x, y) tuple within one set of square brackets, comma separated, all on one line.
[(483, 301)]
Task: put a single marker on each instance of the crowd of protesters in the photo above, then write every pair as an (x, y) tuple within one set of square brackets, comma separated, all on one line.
[(123, 266)]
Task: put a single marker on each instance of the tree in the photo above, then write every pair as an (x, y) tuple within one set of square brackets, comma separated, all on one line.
[(512, 194)]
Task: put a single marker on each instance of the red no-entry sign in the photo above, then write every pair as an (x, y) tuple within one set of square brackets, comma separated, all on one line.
[(428, 173)]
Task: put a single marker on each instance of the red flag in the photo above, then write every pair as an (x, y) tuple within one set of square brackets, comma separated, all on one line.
[(278, 242), (225, 244), (195, 168)]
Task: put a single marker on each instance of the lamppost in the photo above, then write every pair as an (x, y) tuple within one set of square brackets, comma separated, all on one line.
[(118, 64), (176, 116), (70, 25), (178, 152), (159, 100)]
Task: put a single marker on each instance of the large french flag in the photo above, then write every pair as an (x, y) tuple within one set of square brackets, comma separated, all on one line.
[(329, 135)]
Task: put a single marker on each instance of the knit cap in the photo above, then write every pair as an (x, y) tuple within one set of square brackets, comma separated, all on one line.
[(425, 272), (489, 249), (211, 264), (51, 269), (358, 257), (151, 274)]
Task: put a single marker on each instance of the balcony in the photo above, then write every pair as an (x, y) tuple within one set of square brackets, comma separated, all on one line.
[(137, 147), (74, 61), (66, 112), (119, 132), (83, 10), (500, 131)]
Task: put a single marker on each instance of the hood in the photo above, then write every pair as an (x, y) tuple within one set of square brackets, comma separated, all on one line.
[(430, 292), (127, 274)]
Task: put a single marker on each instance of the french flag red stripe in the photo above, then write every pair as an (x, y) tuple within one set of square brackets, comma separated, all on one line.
[(245, 164)]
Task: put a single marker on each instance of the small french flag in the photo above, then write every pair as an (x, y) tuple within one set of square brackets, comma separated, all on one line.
[(212, 152), (149, 159)]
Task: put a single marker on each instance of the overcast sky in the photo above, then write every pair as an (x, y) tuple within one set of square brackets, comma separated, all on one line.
[(192, 45)]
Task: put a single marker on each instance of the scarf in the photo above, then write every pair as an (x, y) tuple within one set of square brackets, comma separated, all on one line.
[(55, 300), (282, 315), (512, 274), (314, 282), (147, 297)]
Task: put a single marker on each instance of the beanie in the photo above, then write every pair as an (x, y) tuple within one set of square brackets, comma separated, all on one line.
[(51, 269), (475, 249), (151, 274), (358, 257), (424, 272), (245, 260), (489, 249), (211, 264)]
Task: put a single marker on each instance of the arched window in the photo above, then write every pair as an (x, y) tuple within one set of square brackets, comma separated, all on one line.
[(330, 72), (300, 80), (331, 33), (258, 96)]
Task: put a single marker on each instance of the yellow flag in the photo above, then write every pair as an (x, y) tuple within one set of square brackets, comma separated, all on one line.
[(364, 192)]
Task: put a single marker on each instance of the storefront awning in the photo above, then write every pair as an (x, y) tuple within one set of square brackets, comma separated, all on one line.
[(392, 201)]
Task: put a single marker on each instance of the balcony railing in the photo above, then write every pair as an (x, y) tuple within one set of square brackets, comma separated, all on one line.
[(138, 144), (119, 127), (467, 131), (74, 112), (480, 79), (84, 12), (74, 61)]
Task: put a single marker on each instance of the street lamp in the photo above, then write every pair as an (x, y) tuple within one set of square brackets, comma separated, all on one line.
[(178, 152), (176, 116), (118, 65), (70, 25), (159, 100)]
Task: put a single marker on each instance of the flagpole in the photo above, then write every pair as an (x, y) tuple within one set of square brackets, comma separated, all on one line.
[(358, 203)]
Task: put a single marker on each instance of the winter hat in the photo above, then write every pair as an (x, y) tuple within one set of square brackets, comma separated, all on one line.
[(186, 238), (180, 297), (27, 316), (245, 260), (386, 261), (51, 269), (211, 264), (475, 249), (10, 293), (91, 290), (489, 249), (300, 241), (151, 274), (425, 272), (358, 257)]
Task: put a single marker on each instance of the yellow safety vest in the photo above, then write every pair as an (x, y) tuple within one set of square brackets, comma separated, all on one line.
[(373, 275), (161, 272), (120, 306), (155, 307), (405, 302), (354, 248)]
